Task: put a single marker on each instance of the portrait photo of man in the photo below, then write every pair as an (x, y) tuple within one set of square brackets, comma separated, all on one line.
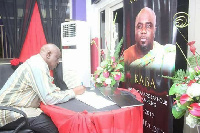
[(149, 54), (146, 52)]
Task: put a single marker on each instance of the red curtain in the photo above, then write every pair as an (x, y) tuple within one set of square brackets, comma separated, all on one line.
[(94, 55), (35, 37)]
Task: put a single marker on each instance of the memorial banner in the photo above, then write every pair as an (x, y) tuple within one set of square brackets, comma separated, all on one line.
[(150, 53)]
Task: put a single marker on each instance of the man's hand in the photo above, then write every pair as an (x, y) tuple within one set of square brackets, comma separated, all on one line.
[(79, 90)]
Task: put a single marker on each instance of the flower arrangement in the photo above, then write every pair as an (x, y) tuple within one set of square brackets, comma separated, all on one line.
[(186, 88), (15, 63), (111, 69)]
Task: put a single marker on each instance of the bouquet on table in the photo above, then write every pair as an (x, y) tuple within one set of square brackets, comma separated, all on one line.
[(111, 69), (186, 88)]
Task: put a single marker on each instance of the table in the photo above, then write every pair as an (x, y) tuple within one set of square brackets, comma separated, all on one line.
[(81, 118)]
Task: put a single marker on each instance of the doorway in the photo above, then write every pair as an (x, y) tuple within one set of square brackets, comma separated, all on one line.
[(111, 15)]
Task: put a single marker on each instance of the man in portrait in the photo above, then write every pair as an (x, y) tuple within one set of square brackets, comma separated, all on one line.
[(146, 52), (150, 54)]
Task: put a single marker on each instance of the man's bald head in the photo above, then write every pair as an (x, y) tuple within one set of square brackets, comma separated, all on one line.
[(145, 30), (48, 47), (149, 11), (51, 54)]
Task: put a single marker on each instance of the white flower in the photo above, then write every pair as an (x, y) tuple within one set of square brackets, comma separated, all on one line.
[(103, 63), (99, 68), (193, 90), (108, 81), (197, 78), (98, 80), (183, 88), (191, 70), (191, 121), (112, 52)]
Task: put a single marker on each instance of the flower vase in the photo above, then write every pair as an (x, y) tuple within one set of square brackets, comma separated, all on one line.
[(116, 84), (107, 90)]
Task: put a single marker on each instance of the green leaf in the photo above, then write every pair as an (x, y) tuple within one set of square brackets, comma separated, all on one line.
[(183, 106), (122, 60), (104, 63), (177, 89), (113, 82), (98, 84), (119, 66), (177, 112), (172, 90), (110, 68), (118, 48), (179, 76), (122, 78), (192, 73), (102, 78), (114, 73), (193, 60)]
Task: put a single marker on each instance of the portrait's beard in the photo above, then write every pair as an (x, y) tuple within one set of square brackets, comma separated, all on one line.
[(145, 48)]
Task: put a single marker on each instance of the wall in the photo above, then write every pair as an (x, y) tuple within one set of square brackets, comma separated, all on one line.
[(93, 15), (194, 24), (84, 10), (79, 10)]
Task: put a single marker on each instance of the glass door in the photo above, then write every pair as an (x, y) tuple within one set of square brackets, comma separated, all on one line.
[(116, 25), (111, 27)]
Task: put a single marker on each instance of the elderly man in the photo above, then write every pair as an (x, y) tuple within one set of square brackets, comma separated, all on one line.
[(147, 52), (31, 84)]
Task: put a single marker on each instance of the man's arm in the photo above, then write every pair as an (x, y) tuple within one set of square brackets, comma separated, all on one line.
[(47, 91)]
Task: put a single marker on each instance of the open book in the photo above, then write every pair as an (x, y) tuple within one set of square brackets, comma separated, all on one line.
[(94, 100)]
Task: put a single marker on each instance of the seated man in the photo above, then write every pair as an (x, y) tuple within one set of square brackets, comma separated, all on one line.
[(31, 84)]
